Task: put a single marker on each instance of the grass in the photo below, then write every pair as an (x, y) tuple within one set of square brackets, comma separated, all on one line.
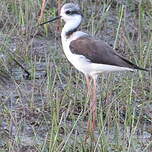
[(49, 111)]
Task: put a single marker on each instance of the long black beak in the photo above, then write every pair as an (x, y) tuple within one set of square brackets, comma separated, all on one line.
[(56, 18)]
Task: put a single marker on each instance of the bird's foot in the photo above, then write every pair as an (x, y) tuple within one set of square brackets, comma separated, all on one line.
[(91, 125)]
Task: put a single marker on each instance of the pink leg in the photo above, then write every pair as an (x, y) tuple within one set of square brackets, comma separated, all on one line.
[(92, 123), (93, 106), (88, 81)]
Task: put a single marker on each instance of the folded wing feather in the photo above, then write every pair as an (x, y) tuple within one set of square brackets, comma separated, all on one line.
[(99, 52)]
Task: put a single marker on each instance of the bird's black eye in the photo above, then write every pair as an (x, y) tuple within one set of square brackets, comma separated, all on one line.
[(68, 12)]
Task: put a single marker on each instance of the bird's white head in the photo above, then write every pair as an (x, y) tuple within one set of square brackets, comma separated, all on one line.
[(70, 12), (72, 16)]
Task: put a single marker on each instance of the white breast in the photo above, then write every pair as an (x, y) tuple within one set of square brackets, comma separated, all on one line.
[(78, 61)]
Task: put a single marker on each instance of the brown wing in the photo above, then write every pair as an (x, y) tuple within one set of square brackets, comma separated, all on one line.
[(99, 52)]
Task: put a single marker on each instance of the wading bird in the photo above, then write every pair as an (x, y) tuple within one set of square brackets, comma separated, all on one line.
[(88, 55)]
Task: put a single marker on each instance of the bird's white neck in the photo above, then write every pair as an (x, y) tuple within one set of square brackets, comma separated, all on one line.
[(71, 26)]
